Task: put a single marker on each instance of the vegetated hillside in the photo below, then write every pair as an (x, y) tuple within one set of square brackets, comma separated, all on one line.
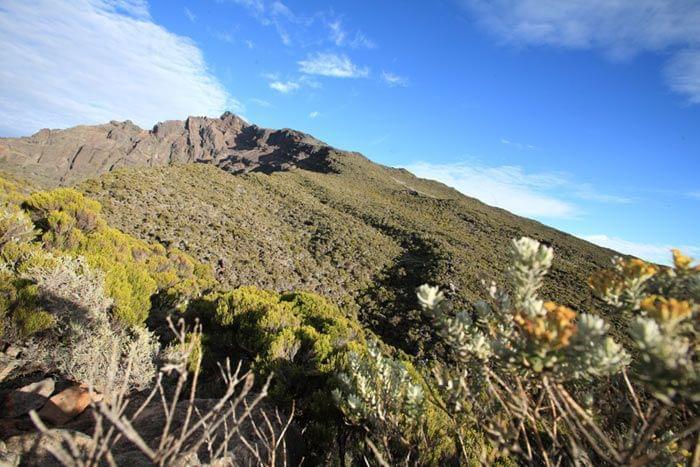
[(282, 210), (360, 234)]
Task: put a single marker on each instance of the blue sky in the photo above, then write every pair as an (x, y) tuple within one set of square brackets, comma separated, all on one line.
[(583, 114)]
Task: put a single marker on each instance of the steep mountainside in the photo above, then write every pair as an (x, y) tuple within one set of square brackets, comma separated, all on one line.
[(297, 214), (363, 235)]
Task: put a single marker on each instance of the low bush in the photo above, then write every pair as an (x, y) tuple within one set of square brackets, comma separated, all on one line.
[(75, 292), (85, 343), (519, 358), (310, 346), (137, 274)]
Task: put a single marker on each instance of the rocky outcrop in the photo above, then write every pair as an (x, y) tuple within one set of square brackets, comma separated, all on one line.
[(55, 157)]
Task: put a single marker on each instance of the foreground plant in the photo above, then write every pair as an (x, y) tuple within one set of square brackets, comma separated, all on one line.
[(378, 395), (523, 366), (234, 429)]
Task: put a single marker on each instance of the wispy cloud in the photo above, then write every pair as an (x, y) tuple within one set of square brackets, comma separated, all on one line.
[(694, 194), (285, 87), (507, 187), (260, 102), (338, 34), (135, 8), (542, 195), (621, 29), (69, 62), (332, 65), (225, 36), (340, 37), (289, 84), (683, 74), (660, 254), (587, 192), (314, 114), (394, 80), (277, 15), (250, 44), (190, 16), (515, 144)]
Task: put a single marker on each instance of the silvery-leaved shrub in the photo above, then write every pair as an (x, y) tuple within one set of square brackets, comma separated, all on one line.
[(524, 334), (661, 305), (378, 394), (85, 343), (519, 360)]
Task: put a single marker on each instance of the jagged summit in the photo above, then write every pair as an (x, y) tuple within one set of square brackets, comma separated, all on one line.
[(229, 142)]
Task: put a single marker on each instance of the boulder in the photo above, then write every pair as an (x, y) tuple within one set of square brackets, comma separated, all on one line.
[(67, 404), (30, 397), (31, 449)]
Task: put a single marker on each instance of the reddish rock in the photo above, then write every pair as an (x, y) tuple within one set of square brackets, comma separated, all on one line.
[(30, 397), (67, 404), (67, 156)]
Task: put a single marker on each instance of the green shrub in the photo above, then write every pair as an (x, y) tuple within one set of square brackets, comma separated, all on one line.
[(15, 226), (301, 338), (308, 343), (135, 271)]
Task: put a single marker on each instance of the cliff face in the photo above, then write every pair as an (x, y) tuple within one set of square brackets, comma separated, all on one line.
[(229, 142)]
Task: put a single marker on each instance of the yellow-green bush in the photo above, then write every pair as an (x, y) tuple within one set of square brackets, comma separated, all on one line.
[(306, 342), (36, 229), (134, 270)]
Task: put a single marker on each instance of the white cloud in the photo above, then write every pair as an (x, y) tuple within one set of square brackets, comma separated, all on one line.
[(68, 62), (285, 87), (517, 145), (225, 36), (620, 28), (694, 194), (683, 74), (361, 41), (507, 187), (190, 16), (275, 14), (333, 65), (339, 36), (250, 44), (136, 8), (394, 80), (314, 114), (587, 192), (309, 82), (660, 254), (256, 7)]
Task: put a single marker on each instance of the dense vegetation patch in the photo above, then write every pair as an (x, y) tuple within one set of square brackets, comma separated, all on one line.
[(43, 230), (306, 342), (363, 236)]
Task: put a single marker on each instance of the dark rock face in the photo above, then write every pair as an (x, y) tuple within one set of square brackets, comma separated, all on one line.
[(71, 155)]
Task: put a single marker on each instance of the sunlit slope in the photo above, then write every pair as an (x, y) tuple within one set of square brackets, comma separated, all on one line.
[(361, 234)]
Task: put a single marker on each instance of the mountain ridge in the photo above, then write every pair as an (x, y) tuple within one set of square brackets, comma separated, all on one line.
[(66, 156)]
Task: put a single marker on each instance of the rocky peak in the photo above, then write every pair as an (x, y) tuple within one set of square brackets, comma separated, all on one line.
[(231, 143)]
